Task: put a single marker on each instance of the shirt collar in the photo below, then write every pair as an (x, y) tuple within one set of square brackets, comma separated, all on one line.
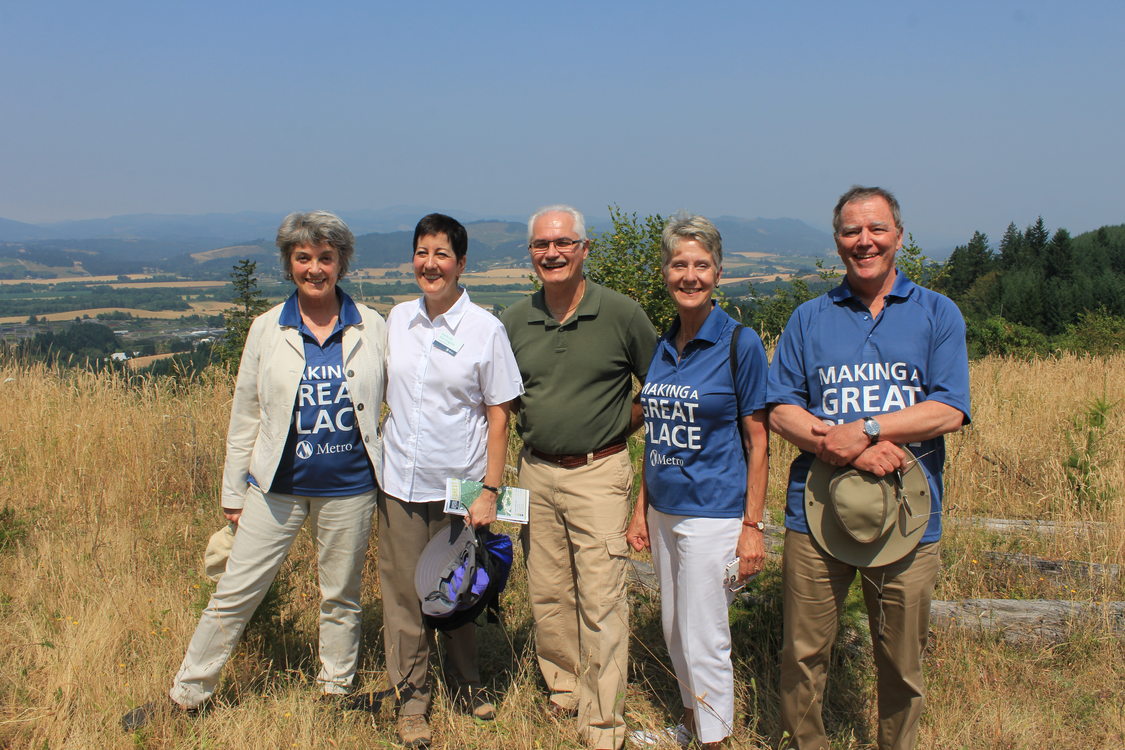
[(710, 331), (451, 318), (902, 288), (349, 313), (588, 307)]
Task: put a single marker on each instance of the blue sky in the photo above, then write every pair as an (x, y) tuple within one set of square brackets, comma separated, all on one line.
[(975, 114)]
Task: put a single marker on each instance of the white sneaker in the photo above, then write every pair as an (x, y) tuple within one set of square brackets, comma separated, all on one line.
[(677, 736)]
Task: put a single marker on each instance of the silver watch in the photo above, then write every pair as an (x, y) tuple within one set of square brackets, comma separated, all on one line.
[(871, 429)]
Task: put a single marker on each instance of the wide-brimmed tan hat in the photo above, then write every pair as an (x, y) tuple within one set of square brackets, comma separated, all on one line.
[(865, 520), (218, 550)]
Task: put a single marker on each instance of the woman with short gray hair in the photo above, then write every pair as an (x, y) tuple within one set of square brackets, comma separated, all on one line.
[(702, 495), (303, 446)]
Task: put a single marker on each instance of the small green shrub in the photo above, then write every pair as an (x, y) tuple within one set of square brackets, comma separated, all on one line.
[(996, 335), (1096, 332), (13, 529), (1082, 463)]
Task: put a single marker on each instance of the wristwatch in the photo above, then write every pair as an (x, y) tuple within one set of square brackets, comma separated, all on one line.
[(759, 525), (871, 429)]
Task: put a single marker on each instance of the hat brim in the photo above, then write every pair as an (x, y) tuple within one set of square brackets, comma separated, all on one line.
[(218, 552), (892, 546), (445, 548)]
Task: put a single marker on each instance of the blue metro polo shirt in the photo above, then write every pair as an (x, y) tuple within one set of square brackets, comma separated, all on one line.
[(837, 362), (694, 461), (324, 455)]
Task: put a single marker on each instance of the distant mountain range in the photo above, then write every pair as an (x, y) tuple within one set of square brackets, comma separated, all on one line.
[(213, 229), (206, 245)]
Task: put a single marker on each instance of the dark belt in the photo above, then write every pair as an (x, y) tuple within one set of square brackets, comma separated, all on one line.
[(579, 459)]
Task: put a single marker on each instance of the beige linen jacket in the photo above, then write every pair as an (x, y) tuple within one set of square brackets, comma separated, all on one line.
[(268, 377)]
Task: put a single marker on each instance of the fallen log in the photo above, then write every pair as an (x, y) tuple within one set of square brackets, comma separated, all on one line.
[(1069, 568), (1020, 621), (1023, 526)]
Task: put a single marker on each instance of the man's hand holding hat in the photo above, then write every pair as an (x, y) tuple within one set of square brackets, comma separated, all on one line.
[(881, 459)]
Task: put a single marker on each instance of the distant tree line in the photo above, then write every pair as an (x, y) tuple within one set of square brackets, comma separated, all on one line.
[(79, 344), (1039, 291), (68, 297), (1035, 294)]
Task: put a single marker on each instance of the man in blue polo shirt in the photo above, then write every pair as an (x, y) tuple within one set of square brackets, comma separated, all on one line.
[(875, 364)]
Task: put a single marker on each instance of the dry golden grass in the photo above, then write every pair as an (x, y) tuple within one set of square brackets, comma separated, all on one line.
[(137, 363), (1010, 463), (109, 491)]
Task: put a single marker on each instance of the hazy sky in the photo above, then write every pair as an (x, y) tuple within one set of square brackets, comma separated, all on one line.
[(975, 114)]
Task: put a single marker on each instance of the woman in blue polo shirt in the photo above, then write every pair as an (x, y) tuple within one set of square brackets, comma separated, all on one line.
[(702, 497), (303, 445)]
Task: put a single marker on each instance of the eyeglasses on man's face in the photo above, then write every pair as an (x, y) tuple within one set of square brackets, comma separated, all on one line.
[(562, 244)]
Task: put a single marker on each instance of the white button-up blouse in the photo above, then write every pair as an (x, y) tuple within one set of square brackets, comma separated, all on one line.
[(441, 374)]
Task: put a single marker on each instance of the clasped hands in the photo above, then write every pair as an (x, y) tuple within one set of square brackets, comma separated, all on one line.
[(844, 444)]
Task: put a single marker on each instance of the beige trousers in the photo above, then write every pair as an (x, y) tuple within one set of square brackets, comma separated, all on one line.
[(576, 567), (269, 524), (404, 530), (898, 609)]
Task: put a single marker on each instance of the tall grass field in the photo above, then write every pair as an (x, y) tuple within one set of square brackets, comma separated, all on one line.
[(109, 491)]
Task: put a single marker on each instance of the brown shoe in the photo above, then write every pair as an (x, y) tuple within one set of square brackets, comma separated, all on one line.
[(413, 731), (483, 708), (560, 713), (474, 701)]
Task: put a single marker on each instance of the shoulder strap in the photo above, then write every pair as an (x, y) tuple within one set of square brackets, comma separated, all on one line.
[(734, 376)]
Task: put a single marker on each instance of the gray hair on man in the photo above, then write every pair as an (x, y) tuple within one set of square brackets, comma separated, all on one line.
[(560, 208), (860, 193), (314, 229), (685, 226)]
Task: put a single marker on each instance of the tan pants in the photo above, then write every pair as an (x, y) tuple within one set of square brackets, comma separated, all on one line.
[(815, 585), (269, 524), (576, 566), (404, 531)]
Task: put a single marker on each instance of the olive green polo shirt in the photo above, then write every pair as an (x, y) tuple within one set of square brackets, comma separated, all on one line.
[(577, 378)]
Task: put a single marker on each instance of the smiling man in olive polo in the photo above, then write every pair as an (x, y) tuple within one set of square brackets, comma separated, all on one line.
[(578, 346)]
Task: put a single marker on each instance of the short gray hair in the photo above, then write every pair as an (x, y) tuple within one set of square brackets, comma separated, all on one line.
[(861, 193), (314, 229), (559, 208), (685, 226)]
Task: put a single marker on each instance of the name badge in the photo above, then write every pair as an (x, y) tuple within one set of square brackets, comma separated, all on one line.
[(447, 343)]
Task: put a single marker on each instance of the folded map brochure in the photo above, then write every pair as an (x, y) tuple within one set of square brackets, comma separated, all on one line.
[(511, 505)]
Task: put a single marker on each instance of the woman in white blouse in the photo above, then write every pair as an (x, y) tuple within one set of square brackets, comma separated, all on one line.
[(451, 378)]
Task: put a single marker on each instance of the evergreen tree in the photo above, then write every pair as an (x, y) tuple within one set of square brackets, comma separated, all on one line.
[(249, 303), (1059, 257), (1021, 296), (1011, 247), (1035, 243), (967, 264)]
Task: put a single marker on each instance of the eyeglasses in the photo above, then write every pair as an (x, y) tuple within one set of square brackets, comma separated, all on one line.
[(562, 244)]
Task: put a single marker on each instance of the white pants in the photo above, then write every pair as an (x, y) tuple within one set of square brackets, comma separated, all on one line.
[(266, 530), (689, 554)]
